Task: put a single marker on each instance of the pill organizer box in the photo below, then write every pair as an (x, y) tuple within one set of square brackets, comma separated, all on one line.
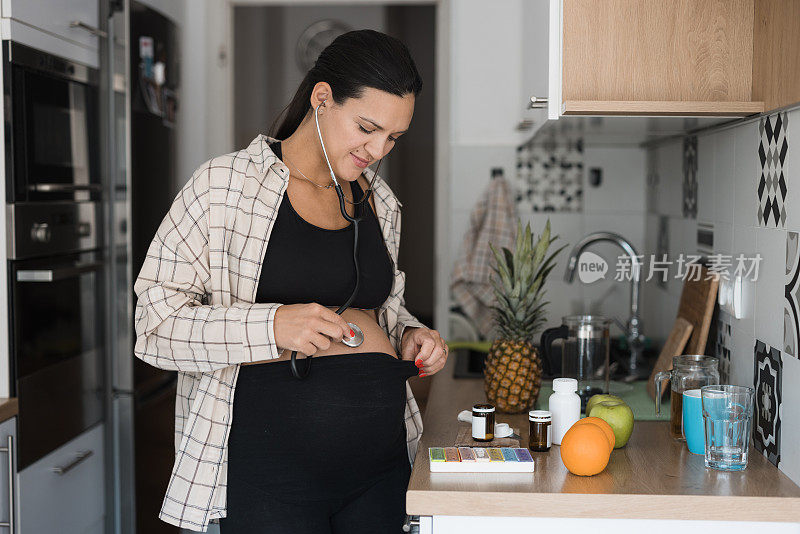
[(480, 460)]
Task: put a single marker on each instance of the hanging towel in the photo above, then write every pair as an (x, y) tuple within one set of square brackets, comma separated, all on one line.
[(493, 220)]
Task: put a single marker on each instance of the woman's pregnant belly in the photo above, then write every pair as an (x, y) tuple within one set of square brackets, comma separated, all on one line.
[(375, 339)]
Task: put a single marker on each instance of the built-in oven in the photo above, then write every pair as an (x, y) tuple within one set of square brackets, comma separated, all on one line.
[(54, 246), (56, 322), (51, 122)]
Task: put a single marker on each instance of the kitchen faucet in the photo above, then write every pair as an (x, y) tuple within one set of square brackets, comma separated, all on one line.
[(633, 331)]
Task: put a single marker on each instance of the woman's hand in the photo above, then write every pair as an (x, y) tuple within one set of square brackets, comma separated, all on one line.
[(426, 347), (308, 328)]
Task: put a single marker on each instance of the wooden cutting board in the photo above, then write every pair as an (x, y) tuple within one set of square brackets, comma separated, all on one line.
[(696, 307)]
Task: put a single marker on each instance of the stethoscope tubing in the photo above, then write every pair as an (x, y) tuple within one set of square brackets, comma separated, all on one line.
[(296, 372)]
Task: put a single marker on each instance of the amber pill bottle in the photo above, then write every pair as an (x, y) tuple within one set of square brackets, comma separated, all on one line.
[(540, 428), (483, 422)]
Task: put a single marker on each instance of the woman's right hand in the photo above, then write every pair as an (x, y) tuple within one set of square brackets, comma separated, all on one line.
[(308, 328)]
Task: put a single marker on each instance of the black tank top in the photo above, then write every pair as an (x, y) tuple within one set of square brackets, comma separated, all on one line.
[(305, 263)]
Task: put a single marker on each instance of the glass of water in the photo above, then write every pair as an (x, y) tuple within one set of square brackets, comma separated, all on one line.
[(727, 418)]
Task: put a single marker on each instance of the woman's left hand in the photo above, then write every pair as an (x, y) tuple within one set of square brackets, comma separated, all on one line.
[(426, 347)]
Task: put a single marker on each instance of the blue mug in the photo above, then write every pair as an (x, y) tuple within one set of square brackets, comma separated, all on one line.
[(692, 424)]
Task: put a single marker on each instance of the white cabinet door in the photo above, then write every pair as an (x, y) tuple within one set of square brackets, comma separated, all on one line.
[(535, 64), (554, 56), (8, 486), (60, 27), (63, 492)]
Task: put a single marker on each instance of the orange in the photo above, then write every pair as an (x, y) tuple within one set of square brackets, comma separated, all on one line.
[(604, 426), (584, 450)]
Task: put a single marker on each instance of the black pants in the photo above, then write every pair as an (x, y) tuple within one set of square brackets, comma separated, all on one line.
[(322, 455)]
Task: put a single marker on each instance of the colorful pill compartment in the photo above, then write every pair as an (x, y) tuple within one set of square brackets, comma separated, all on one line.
[(495, 454), (466, 453), (480, 460), (508, 454), (480, 454), (451, 454), (436, 454)]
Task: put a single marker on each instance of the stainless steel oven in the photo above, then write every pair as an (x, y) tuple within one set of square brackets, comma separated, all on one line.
[(56, 322), (51, 107), (56, 258)]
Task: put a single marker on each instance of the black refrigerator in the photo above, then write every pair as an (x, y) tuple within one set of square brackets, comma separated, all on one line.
[(154, 84)]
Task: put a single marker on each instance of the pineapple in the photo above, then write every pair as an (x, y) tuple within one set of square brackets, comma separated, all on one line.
[(513, 371)]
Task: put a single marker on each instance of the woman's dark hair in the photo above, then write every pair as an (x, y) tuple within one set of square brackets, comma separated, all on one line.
[(353, 61)]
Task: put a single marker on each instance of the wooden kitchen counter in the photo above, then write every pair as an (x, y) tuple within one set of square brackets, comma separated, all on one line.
[(8, 408), (652, 477)]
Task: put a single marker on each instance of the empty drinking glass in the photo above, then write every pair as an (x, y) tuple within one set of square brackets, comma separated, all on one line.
[(727, 418)]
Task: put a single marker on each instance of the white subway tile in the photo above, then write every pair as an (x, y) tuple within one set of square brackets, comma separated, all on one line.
[(724, 175), (746, 174), (771, 244), (742, 357), (744, 242), (624, 183)]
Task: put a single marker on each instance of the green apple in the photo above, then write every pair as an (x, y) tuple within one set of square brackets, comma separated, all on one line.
[(617, 414), (594, 399)]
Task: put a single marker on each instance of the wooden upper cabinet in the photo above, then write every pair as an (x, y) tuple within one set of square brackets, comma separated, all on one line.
[(675, 57), (776, 52)]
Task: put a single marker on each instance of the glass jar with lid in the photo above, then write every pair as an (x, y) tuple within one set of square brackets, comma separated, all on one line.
[(690, 371)]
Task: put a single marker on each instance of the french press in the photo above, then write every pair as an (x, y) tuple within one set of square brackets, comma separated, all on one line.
[(584, 353)]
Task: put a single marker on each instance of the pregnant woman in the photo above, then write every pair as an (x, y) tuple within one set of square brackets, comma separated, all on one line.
[(251, 264)]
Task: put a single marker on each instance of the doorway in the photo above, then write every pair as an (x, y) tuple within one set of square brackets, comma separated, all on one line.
[(273, 47)]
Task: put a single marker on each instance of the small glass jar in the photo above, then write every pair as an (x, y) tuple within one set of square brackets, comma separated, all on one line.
[(540, 425), (483, 422)]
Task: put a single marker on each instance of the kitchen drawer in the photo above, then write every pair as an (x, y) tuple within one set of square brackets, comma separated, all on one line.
[(68, 503), (45, 25), (7, 428)]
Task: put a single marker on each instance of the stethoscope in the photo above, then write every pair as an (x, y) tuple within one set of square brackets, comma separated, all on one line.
[(358, 338)]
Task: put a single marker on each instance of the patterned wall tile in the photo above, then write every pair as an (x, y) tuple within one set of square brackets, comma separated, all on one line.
[(772, 188), (662, 247), (723, 344), (705, 238), (652, 179), (767, 417), (690, 177), (549, 176), (791, 305)]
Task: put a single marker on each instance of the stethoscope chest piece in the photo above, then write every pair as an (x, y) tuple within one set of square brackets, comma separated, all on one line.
[(357, 339)]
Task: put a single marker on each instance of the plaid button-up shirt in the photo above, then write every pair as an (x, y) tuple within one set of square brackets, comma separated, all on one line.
[(196, 312)]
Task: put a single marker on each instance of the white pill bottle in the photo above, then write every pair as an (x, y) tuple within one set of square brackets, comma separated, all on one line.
[(565, 405)]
